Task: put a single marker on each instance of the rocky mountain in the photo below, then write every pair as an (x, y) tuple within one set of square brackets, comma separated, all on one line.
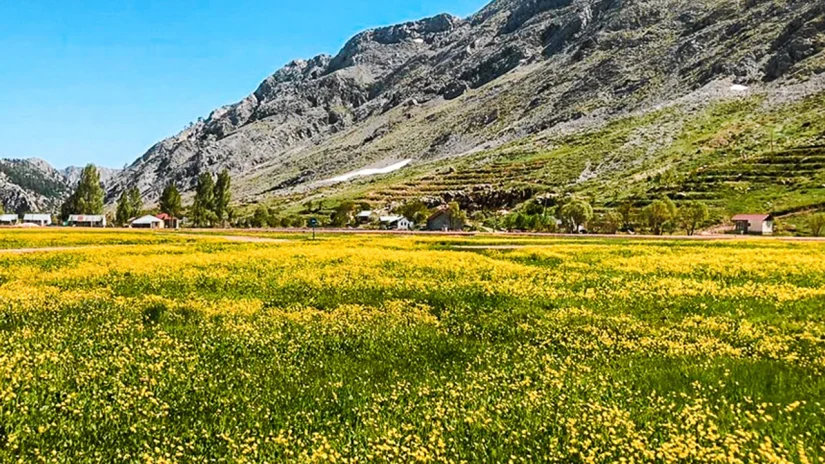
[(515, 77), (33, 185), (72, 174)]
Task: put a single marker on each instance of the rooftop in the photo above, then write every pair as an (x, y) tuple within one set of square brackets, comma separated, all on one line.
[(149, 219), (752, 217)]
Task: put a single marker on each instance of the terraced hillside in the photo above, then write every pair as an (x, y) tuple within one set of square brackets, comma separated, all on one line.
[(743, 153), (795, 170)]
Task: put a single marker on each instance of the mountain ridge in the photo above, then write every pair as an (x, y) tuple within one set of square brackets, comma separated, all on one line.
[(553, 61), (34, 185)]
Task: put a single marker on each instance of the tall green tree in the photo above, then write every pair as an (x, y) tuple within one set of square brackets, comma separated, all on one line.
[(88, 197), (660, 215), (575, 214), (129, 205), (68, 207), (122, 214), (693, 215), (203, 207), (170, 201), (223, 197), (135, 201)]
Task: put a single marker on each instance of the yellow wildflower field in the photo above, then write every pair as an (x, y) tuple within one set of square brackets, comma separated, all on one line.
[(173, 348)]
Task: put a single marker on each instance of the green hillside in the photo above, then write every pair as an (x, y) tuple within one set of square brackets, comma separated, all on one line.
[(738, 155)]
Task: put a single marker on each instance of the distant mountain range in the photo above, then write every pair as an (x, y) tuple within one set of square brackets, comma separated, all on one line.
[(33, 185), (609, 99)]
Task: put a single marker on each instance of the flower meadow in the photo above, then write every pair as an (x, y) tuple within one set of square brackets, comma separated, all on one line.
[(160, 348)]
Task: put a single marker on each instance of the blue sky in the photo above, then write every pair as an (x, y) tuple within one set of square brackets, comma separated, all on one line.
[(101, 81)]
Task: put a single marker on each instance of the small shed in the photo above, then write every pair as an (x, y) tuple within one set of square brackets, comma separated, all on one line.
[(443, 220), (148, 222), (754, 224), (395, 223), (364, 217), (87, 220), (37, 219), (8, 219)]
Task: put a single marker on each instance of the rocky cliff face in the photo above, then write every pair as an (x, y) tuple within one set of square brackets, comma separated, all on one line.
[(72, 174), (446, 86)]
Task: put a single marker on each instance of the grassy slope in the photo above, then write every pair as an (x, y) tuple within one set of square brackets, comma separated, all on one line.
[(681, 153)]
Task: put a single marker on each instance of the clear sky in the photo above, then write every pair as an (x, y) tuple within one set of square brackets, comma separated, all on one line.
[(101, 81)]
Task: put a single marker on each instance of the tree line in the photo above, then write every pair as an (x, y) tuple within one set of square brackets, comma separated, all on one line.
[(576, 215), (210, 207), (570, 216)]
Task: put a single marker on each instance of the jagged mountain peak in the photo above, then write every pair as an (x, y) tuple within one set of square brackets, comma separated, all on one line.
[(383, 49), (517, 67)]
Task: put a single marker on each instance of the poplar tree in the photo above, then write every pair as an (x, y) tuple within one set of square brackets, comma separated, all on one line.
[(170, 201), (88, 197), (203, 207), (129, 205), (135, 201), (222, 197)]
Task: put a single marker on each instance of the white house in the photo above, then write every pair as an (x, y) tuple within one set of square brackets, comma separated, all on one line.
[(87, 220), (396, 223), (754, 224), (148, 222), (38, 219), (8, 219)]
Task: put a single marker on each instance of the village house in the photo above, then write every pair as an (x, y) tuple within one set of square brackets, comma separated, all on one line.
[(148, 222), (754, 224), (395, 223), (37, 219), (443, 220), (87, 220), (8, 219), (169, 222)]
